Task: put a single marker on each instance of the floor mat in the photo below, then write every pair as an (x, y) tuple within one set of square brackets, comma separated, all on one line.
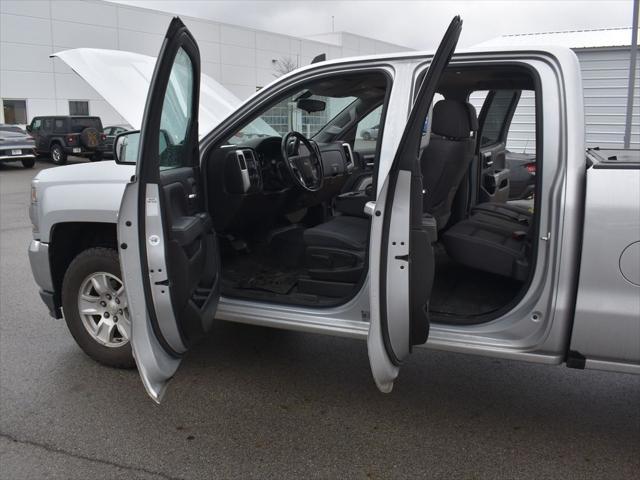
[(466, 293), (252, 273)]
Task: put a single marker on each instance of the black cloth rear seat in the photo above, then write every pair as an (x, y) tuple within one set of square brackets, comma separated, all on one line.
[(495, 244), (505, 211)]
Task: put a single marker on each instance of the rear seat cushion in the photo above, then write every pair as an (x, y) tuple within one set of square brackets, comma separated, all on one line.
[(505, 211), (492, 248)]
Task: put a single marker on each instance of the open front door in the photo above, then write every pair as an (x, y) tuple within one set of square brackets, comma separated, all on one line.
[(168, 251), (402, 260)]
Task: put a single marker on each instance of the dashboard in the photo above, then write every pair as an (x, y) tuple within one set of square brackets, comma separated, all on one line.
[(249, 183), (257, 166)]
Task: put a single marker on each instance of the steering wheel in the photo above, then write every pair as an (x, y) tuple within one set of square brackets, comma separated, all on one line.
[(306, 169)]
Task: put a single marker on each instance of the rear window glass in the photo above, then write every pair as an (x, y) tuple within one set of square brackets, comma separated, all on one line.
[(79, 124)]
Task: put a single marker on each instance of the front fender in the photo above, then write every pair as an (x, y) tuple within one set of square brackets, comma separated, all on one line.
[(90, 202)]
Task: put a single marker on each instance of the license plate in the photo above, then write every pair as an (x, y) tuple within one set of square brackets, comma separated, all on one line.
[(77, 150), (16, 152)]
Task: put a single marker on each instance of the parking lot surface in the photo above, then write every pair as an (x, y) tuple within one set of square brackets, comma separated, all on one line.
[(260, 403)]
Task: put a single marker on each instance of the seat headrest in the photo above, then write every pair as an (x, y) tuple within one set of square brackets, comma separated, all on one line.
[(454, 119)]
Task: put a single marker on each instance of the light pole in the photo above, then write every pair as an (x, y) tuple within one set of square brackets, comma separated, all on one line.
[(632, 76)]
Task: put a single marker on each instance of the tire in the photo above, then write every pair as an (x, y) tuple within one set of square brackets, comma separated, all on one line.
[(366, 136), (96, 157), (58, 155), (102, 263), (90, 137), (28, 162)]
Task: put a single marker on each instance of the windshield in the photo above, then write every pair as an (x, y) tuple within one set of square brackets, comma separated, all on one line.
[(294, 113)]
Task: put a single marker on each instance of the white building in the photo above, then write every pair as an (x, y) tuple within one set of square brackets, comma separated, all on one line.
[(241, 59), (604, 57)]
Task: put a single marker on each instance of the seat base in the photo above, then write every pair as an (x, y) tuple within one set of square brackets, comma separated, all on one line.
[(336, 249), (491, 243)]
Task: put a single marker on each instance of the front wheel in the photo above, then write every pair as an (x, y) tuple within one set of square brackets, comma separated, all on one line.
[(58, 156), (95, 307)]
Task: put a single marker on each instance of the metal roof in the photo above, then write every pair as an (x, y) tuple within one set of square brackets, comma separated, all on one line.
[(602, 38)]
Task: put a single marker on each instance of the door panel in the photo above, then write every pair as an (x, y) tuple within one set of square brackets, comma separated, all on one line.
[(176, 260), (402, 260), (495, 120)]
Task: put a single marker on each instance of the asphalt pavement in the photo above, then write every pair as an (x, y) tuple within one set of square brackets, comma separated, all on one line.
[(254, 402)]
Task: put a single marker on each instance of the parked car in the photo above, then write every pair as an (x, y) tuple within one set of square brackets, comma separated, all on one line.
[(16, 145), (522, 175), (370, 133), (111, 132), (60, 136), (144, 256)]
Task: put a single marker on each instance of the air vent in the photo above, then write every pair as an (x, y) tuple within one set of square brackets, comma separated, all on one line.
[(248, 154), (348, 153), (241, 160)]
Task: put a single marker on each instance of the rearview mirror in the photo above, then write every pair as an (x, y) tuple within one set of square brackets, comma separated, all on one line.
[(125, 147), (310, 105)]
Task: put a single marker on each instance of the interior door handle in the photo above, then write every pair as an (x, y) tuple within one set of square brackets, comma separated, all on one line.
[(193, 196)]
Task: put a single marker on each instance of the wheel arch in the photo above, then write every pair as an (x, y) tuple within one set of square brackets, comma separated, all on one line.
[(54, 141), (69, 239)]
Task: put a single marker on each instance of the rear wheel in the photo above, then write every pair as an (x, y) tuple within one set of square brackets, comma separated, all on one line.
[(96, 157), (95, 307), (58, 156), (28, 162)]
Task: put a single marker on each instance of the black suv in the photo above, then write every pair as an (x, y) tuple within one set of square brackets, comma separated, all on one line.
[(59, 136)]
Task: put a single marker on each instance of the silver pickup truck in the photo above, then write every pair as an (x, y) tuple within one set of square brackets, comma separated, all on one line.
[(277, 212)]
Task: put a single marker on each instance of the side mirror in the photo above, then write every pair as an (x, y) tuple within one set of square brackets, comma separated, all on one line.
[(28, 128), (310, 105), (125, 147)]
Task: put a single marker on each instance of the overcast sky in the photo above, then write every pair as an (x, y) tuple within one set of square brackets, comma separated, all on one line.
[(416, 24)]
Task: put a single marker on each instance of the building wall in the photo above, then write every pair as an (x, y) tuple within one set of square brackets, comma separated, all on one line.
[(241, 59), (605, 78)]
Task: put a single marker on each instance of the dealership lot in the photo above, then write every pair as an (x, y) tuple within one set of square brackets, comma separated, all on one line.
[(259, 403)]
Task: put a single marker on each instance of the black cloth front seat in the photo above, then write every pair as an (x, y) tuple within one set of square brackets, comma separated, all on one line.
[(447, 157), (336, 249), (349, 233), (444, 162)]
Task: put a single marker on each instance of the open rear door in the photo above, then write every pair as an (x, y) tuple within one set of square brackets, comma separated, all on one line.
[(402, 260), (168, 251)]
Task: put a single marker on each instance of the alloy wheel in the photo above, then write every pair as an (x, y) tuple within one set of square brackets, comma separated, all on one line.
[(103, 308)]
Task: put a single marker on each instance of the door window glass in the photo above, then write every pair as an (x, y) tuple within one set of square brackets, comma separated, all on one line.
[(521, 136), (494, 122), (177, 114), (58, 126), (35, 126), (15, 111), (368, 130), (47, 125)]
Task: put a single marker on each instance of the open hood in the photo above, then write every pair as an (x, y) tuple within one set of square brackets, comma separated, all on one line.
[(123, 78)]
